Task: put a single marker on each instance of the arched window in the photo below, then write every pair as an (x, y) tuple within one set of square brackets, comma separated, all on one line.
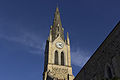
[(62, 58), (116, 64), (56, 58), (57, 35), (109, 72), (58, 28)]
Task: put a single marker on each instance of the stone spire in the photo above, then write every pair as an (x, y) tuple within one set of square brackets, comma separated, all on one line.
[(57, 29), (57, 19), (68, 40)]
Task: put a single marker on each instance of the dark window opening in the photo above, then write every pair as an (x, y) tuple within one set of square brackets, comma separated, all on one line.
[(58, 28), (109, 72), (62, 58), (57, 35), (56, 58)]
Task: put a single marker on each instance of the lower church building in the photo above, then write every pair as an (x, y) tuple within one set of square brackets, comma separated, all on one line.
[(104, 64)]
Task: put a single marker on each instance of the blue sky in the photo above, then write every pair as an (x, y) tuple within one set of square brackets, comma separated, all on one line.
[(25, 25)]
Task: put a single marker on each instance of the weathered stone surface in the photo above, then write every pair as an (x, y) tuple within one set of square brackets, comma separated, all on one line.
[(105, 62)]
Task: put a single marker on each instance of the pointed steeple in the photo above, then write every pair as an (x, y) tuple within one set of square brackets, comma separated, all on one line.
[(57, 19), (56, 29)]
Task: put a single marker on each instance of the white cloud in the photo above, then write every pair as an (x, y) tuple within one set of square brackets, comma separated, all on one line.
[(27, 39), (79, 57), (36, 45)]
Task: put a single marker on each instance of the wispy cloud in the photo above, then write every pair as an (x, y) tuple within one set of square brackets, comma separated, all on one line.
[(27, 39), (36, 45), (79, 57)]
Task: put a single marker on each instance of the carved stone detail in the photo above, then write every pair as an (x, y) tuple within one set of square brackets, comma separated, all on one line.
[(59, 72)]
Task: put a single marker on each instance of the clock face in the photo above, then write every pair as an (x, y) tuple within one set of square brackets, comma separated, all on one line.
[(59, 45)]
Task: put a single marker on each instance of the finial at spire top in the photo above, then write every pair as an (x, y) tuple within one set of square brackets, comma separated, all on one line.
[(57, 9)]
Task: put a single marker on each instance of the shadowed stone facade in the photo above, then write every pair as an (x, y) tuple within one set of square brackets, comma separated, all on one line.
[(57, 65), (105, 62)]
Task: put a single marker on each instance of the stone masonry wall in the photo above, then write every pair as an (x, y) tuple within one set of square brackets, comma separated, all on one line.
[(105, 62)]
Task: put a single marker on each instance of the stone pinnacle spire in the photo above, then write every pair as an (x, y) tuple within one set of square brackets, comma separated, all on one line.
[(56, 28), (57, 19), (68, 40)]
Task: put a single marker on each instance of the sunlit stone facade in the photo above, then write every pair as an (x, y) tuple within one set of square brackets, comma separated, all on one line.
[(57, 61)]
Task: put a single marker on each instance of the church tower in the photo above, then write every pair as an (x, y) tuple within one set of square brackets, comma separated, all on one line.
[(57, 61)]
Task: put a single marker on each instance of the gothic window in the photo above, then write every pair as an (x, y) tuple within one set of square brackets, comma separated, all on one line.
[(58, 28), (62, 58), (57, 35), (56, 57), (116, 65), (108, 72)]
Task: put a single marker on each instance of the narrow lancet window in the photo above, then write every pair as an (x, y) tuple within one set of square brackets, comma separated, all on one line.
[(58, 28), (62, 58), (56, 58), (109, 72)]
